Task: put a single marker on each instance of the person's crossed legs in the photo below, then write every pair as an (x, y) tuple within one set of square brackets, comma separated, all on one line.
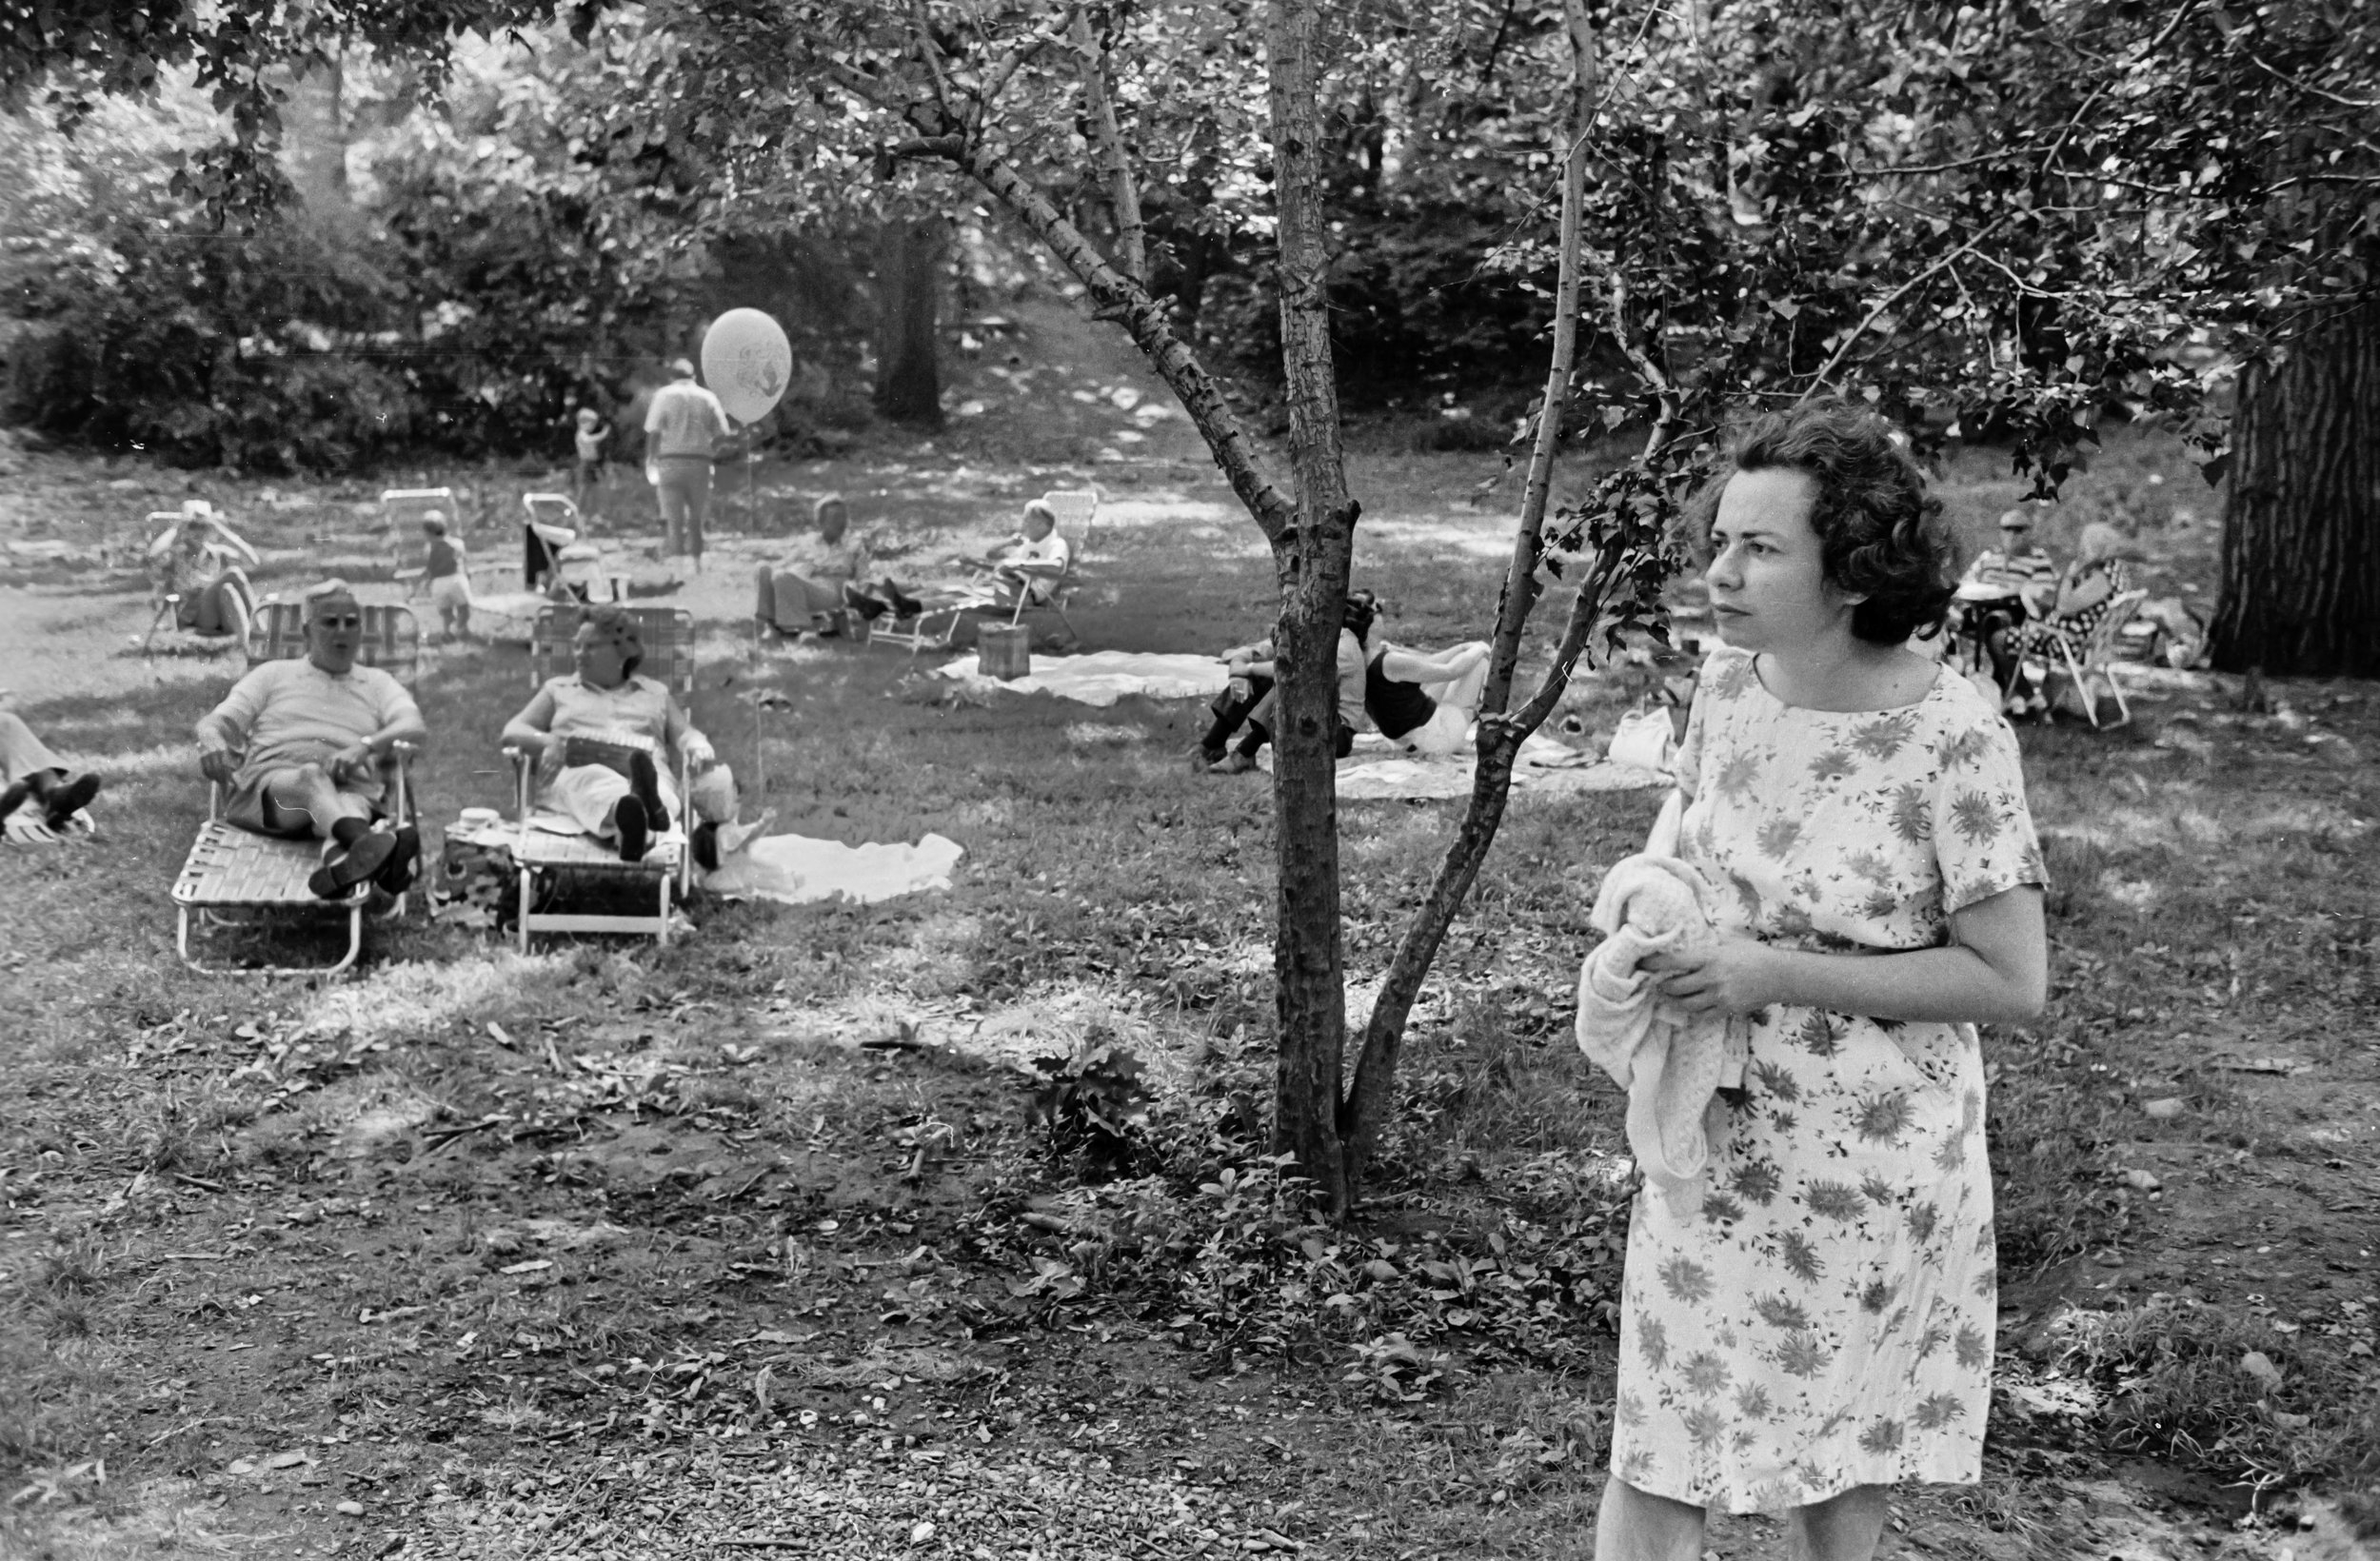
[(306, 799)]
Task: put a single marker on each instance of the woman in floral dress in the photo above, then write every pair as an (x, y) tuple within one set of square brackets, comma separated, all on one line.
[(1820, 1327)]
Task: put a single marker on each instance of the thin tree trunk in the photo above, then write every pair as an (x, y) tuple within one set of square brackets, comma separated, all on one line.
[(2301, 530), (1123, 191), (1312, 560), (1368, 1106), (909, 364)]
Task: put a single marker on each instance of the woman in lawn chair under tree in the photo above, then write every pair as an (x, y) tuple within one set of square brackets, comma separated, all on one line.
[(196, 560), (603, 738)]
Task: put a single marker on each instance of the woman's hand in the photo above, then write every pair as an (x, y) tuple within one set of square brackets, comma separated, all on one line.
[(1733, 975), (699, 752)]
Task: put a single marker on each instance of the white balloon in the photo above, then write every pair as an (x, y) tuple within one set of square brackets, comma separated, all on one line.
[(746, 362)]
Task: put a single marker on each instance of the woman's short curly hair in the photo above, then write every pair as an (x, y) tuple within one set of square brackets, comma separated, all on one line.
[(1880, 534)]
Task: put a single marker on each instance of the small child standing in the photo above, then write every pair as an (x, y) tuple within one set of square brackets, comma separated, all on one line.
[(588, 481), (447, 576)]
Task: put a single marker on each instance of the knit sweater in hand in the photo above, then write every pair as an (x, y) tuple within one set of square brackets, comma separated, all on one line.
[(1670, 1064)]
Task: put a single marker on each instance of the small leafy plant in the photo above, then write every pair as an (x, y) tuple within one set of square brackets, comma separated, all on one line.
[(1093, 1103)]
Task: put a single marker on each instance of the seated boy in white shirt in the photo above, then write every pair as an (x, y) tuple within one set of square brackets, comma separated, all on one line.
[(1032, 561)]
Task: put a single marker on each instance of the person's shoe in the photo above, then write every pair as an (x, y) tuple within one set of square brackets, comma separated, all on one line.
[(64, 802), (903, 605), (869, 608), (1234, 762), (13, 797), (342, 871), (704, 843), (644, 784), (636, 832), (1204, 758), (396, 875)]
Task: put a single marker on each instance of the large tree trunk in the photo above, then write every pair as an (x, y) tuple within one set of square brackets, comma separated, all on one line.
[(908, 281), (2301, 532), (1312, 559)]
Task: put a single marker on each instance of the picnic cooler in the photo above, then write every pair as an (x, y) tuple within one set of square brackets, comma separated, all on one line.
[(1003, 650)]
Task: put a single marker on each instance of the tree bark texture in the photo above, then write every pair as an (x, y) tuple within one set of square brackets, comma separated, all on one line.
[(2300, 591), (1123, 191), (909, 363), (1312, 560), (1373, 1098)]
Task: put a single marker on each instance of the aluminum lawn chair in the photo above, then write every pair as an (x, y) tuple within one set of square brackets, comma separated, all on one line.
[(235, 876), (2092, 655), (1077, 511), (549, 860)]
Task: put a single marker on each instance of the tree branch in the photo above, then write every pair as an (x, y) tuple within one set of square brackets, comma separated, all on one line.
[(1373, 1091), (1023, 54), (932, 56), (1124, 195), (1116, 297), (2308, 89), (1843, 348), (2181, 15)]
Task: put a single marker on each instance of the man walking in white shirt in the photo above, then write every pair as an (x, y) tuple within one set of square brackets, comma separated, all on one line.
[(681, 433)]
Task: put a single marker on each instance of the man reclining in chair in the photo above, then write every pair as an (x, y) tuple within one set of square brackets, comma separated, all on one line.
[(603, 736), (823, 573), (304, 747)]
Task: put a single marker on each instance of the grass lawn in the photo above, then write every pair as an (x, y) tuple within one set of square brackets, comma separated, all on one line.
[(619, 1250)]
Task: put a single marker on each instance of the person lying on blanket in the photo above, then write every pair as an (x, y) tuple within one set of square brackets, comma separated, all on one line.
[(1031, 562), (603, 736), (821, 574), (305, 748), (1248, 700), (1422, 704), (195, 561), (30, 772)]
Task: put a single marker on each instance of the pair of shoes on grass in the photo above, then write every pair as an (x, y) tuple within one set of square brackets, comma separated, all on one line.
[(382, 857), (1234, 762), (1204, 758), (60, 801)]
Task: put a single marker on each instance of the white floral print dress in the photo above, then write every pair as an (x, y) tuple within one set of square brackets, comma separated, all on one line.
[(1825, 1320)]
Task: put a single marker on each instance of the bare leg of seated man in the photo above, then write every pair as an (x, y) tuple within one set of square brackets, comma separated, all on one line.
[(304, 800)]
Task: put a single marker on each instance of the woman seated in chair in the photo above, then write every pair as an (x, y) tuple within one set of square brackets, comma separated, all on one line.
[(822, 574), (2100, 573), (604, 738), (193, 560)]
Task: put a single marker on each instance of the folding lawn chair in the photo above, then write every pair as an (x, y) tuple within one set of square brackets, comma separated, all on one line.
[(235, 876), (553, 550), (1076, 509), (553, 856), (2092, 655)]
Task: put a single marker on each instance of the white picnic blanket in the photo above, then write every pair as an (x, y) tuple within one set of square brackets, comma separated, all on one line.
[(1104, 676), (1546, 768), (794, 868)]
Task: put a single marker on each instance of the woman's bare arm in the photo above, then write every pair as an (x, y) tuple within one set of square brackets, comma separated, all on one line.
[(1995, 970)]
